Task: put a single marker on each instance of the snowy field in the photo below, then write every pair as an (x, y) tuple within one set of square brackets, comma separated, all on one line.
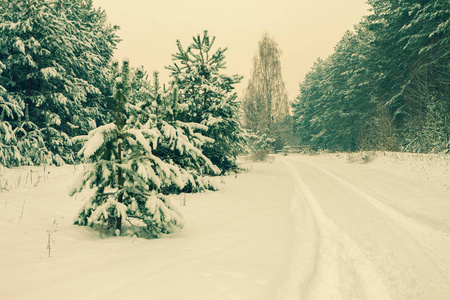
[(332, 226)]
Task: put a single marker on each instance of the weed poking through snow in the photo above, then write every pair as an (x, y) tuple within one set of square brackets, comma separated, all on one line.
[(50, 239)]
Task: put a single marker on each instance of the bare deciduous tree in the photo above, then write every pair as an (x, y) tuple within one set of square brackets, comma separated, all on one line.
[(265, 104)]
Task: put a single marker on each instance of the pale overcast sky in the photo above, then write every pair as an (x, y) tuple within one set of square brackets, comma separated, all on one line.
[(304, 30)]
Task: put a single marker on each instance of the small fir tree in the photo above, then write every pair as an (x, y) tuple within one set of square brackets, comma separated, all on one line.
[(261, 145), (126, 174), (206, 96), (180, 142)]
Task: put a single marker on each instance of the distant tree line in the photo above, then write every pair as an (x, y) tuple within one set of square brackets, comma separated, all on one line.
[(386, 86)]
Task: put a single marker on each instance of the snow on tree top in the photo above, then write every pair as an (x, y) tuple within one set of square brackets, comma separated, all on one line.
[(96, 139)]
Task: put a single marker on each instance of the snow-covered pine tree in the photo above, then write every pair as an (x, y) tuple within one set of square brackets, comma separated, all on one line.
[(19, 49), (180, 142), (260, 145), (55, 55), (31, 144), (206, 96), (90, 57), (21, 142), (126, 174), (9, 109)]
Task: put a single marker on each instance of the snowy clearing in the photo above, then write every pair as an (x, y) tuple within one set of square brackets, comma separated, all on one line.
[(359, 226)]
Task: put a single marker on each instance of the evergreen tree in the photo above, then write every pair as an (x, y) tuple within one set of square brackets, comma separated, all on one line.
[(181, 142), (206, 97), (126, 174), (9, 109), (92, 52), (55, 55)]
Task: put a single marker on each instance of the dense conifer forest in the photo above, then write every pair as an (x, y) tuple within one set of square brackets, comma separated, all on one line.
[(386, 86)]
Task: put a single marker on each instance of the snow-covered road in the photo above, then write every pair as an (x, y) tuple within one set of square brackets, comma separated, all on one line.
[(367, 246), (298, 227)]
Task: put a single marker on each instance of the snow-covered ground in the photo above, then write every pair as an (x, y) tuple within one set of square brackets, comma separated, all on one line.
[(334, 226)]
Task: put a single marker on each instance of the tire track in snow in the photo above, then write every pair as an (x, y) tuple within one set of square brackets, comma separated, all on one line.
[(334, 244), (303, 250), (423, 234)]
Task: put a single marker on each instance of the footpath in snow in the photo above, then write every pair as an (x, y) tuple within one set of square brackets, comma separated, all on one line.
[(299, 227)]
